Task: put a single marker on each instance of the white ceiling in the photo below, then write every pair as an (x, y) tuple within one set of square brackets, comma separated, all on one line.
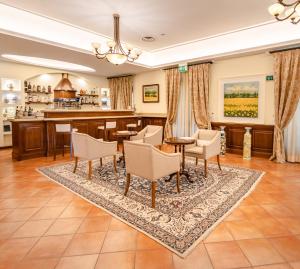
[(20, 46), (181, 21), (195, 30)]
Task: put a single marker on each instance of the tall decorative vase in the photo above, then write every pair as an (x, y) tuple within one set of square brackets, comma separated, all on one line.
[(223, 140), (247, 144)]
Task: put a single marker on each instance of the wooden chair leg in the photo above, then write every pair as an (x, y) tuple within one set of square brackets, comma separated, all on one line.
[(76, 163), (127, 184), (54, 147), (205, 168), (63, 140), (89, 170), (101, 163), (153, 193), (178, 181), (115, 164), (218, 159), (196, 161)]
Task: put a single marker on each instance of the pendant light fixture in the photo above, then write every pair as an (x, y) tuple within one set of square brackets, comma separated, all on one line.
[(116, 54), (285, 9)]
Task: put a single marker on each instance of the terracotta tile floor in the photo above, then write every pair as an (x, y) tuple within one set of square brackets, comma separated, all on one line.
[(43, 225)]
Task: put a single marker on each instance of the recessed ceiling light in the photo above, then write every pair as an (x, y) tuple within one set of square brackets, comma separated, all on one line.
[(148, 38), (48, 63)]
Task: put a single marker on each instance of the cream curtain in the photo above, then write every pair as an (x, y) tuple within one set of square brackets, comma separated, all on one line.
[(199, 85), (113, 91), (292, 138), (185, 124), (173, 88), (120, 92), (287, 93)]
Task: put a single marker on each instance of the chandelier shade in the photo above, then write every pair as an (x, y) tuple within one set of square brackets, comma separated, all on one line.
[(116, 53), (286, 10)]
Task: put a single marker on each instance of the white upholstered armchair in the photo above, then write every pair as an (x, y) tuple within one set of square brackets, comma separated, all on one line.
[(207, 144), (146, 161), (151, 134), (89, 148)]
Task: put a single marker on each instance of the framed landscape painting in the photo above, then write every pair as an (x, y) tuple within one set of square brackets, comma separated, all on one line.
[(151, 93), (243, 99)]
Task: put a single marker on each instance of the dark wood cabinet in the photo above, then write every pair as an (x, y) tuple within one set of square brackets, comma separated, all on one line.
[(29, 139), (161, 121), (36, 138), (262, 138)]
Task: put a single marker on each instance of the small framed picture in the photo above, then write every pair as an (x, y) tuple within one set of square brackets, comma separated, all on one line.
[(151, 93)]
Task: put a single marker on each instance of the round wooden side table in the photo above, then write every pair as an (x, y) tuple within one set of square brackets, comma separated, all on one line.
[(124, 135), (181, 142)]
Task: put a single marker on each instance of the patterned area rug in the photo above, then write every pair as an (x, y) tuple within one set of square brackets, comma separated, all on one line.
[(179, 221)]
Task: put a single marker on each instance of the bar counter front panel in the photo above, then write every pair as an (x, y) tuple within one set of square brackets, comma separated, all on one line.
[(35, 138)]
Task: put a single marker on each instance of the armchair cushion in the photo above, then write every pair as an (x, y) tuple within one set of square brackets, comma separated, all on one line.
[(201, 143), (90, 148), (151, 134), (146, 161), (207, 144), (195, 150)]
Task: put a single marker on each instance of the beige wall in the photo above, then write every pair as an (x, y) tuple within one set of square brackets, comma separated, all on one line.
[(261, 64), (153, 77), (23, 72)]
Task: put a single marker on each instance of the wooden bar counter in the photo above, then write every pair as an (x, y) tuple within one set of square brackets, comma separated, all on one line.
[(34, 137)]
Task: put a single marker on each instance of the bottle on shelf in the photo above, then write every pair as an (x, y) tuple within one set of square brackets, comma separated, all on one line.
[(38, 88), (44, 89), (29, 87), (25, 112), (30, 111), (33, 88), (49, 88), (25, 86)]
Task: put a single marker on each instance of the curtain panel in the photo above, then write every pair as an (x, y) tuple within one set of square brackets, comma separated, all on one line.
[(287, 93), (173, 87), (120, 92), (185, 124), (292, 138), (199, 86)]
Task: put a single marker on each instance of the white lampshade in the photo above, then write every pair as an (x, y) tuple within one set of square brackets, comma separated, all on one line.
[(133, 55), (96, 45), (276, 9), (289, 11), (129, 47), (298, 10), (116, 58), (138, 52), (111, 43)]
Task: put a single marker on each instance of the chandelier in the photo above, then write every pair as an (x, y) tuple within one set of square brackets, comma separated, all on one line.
[(116, 54), (283, 11)]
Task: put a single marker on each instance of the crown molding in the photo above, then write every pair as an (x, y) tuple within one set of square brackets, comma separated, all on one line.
[(25, 24)]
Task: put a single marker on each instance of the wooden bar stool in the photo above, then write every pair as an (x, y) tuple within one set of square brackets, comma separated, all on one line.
[(134, 126), (64, 129), (107, 129)]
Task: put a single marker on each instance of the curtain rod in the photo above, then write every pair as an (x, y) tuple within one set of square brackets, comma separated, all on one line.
[(285, 49), (122, 76), (189, 64)]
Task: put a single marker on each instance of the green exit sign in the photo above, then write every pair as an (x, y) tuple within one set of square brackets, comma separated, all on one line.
[(182, 68), (269, 78)]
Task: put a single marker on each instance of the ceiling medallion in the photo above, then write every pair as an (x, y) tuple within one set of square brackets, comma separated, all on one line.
[(283, 11), (116, 54)]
